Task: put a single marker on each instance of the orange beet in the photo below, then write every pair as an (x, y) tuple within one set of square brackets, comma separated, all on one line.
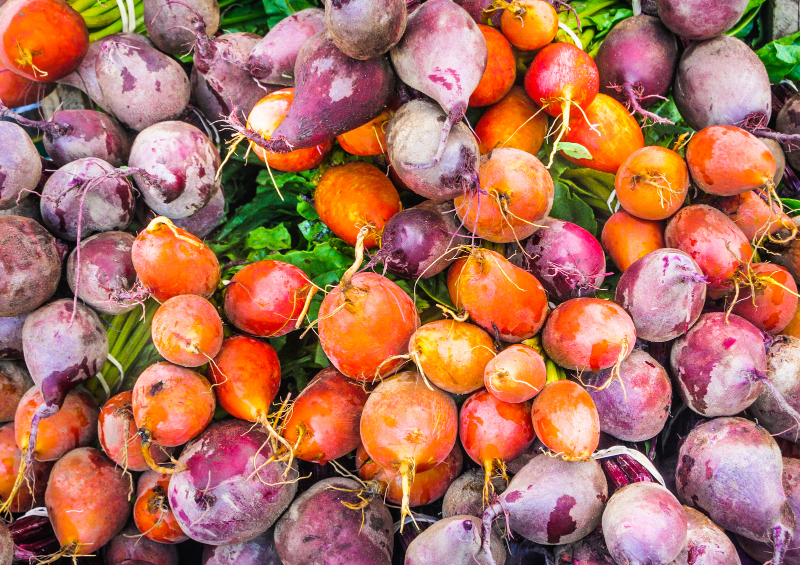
[(497, 294), (517, 374), (163, 256), (566, 420), (354, 195), (529, 24), (369, 139), (726, 160), (151, 511), (627, 238), (770, 304), (588, 334), (42, 40), (324, 422), (561, 76), (516, 121), (265, 117), (754, 215), (452, 354), (86, 500), (652, 183), (428, 486), (501, 69), (116, 431), (10, 457), (16, 90), (247, 375), (615, 136), (187, 330), (520, 194), (408, 427)]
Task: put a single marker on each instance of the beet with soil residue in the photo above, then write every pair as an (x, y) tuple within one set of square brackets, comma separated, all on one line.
[(20, 166)]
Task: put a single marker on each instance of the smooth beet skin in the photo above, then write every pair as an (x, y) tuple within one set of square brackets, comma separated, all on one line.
[(86, 133), (20, 165), (456, 541), (706, 543), (365, 29), (700, 19)]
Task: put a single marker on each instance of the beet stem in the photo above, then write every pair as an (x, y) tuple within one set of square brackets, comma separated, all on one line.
[(489, 516), (633, 95)]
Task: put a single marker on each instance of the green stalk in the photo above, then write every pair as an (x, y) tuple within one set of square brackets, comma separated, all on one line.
[(116, 27), (242, 19), (554, 372), (98, 9), (81, 5), (743, 23), (107, 18), (122, 336)]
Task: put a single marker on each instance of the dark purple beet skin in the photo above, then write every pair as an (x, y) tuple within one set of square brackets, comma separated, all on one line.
[(272, 60), (731, 469), (364, 29), (30, 265), (11, 337), (84, 192), (788, 122), (86, 133), (182, 165), (635, 405), (637, 61), (258, 551), (664, 293), (475, 8), (567, 259), (107, 273), (706, 543), (455, 541), (720, 364), (783, 371), (219, 499), (129, 546), (698, 20), (721, 82), (61, 349), (20, 165), (590, 550), (644, 523), (318, 522)]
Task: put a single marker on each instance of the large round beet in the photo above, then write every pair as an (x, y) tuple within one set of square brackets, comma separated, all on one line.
[(320, 522), (455, 541), (229, 493), (30, 265), (20, 166), (700, 19), (86, 133)]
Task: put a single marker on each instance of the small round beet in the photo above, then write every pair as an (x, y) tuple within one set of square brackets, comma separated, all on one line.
[(86, 133), (187, 330), (258, 551), (456, 541)]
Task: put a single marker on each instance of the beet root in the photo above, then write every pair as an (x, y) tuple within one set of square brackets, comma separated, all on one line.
[(325, 519), (698, 20), (20, 165), (30, 265), (455, 541), (411, 141), (783, 371), (364, 29), (169, 24), (731, 469), (706, 543)]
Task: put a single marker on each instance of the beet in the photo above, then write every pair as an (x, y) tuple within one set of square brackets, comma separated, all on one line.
[(788, 122), (14, 382), (333, 94), (731, 469), (258, 551), (719, 364), (783, 371), (567, 259), (644, 524), (443, 54), (272, 60), (365, 29), (464, 496), (664, 292), (169, 24), (706, 543), (411, 142), (129, 546), (455, 541), (475, 8), (11, 337), (721, 82), (700, 19), (321, 522), (30, 265), (20, 166), (221, 499), (82, 197), (590, 550)]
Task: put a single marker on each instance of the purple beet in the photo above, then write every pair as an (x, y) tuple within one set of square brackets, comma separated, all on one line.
[(15, 381), (272, 60), (20, 166), (129, 546), (722, 82), (107, 276), (199, 224), (333, 94), (783, 371), (636, 62), (443, 54), (720, 364), (169, 23), (130, 74), (788, 122), (731, 469), (464, 496), (181, 165), (82, 198), (698, 20), (365, 29), (706, 543), (321, 523), (664, 292), (230, 493), (258, 551), (475, 8), (590, 550), (30, 265), (11, 337), (567, 259), (644, 524), (418, 242), (412, 138), (634, 405), (455, 541), (551, 501)]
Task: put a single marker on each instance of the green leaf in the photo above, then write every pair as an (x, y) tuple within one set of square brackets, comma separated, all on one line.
[(274, 239), (791, 203), (324, 264), (570, 208), (665, 135), (782, 58), (574, 150)]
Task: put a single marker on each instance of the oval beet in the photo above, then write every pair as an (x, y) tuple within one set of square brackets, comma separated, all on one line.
[(697, 20), (456, 541), (365, 29), (86, 133)]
